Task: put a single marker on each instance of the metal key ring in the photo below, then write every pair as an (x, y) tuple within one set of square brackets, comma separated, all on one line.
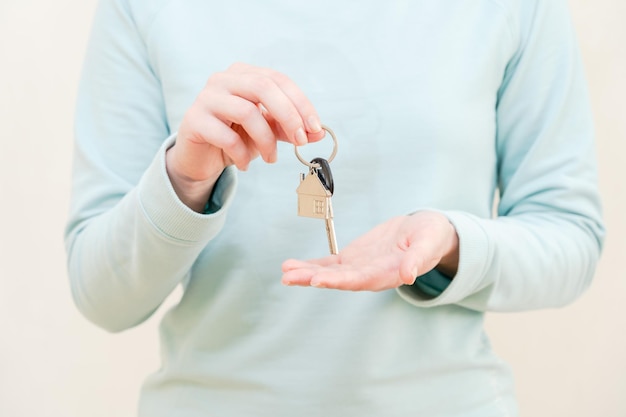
[(332, 155)]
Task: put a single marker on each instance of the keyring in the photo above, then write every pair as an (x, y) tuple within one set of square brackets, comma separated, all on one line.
[(332, 155)]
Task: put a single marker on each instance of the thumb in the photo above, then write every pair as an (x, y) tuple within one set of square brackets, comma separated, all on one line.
[(419, 258)]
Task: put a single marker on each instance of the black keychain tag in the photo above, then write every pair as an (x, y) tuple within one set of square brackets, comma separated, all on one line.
[(324, 174)]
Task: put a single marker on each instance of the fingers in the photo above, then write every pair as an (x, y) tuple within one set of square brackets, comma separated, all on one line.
[(234, 109), (351, 276), (301, 277), (259, 106), (197, 129), (239, 114), (280, 133), (326, 261), (256, 88), (346, 278), (309, 119), (298, 272)]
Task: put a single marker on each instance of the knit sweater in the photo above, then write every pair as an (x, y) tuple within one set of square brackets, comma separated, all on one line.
[(436, 105)]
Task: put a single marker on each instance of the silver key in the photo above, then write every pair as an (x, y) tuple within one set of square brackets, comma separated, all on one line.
[(314, 200), (330, 232)]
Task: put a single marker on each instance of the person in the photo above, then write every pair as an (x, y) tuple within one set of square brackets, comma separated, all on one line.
[(185, 174)]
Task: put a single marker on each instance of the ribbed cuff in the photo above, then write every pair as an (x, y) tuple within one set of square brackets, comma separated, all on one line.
[(474, 255), (172, 217)]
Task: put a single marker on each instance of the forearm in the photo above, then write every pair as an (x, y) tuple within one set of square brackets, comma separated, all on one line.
[(519, 262), (125, 261), (537, 260), (543, 248)]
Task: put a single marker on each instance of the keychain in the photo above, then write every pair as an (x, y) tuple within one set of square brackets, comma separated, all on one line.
[(316, 189)]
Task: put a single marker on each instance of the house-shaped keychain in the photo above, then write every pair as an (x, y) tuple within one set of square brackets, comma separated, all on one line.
[(313, 197), (314, 193)]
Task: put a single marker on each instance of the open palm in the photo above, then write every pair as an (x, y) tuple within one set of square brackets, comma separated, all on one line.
[(390, 255)]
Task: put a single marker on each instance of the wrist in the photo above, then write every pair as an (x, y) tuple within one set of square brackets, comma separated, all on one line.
[(449, 263), (191, 192)]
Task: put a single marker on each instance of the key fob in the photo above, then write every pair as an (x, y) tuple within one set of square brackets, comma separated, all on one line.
[(324, 174)]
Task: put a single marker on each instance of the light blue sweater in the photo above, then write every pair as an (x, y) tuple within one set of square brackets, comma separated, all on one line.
[(436, 104)]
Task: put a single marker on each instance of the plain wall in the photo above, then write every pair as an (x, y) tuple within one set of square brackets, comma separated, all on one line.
[(568, 362)]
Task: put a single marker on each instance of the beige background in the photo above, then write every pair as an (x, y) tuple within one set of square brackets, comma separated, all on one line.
[(569, 362)]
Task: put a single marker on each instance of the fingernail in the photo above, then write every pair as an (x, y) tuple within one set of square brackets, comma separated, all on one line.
[(274, 156), (316, 284), (301, 138), (314, 124)]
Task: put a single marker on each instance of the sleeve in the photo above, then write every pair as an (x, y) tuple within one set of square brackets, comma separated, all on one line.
[(129, 239), (542, 249)]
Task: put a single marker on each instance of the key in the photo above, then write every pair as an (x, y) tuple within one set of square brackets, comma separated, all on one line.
[(315, 190), (314, 197), (326, 178)]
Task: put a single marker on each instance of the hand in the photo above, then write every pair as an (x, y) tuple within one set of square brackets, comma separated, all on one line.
[(240, 114), (390, 255)]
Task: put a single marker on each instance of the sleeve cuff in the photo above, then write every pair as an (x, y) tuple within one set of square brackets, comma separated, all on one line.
[(474, 255), (172, 217)]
